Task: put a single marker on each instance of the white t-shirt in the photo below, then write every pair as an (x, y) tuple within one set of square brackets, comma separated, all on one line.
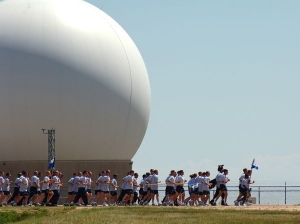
[(82, 182), (54, 186), (1, 183), (219, 175), (206, 181), (45, 185), (179, 179), (145, 187), (98, 183), (23, 184), (201, 183), (124, 183), (38, 183), (245, 183), (241, 178), (88, 180), (6, 185), (76, 185), (222, 179), (167, 179), (105, 183), (111, 187), (17, 182), (71, 183), (154, 181), (129, 182), (148, 180), (33, 180), (172, 179), (135, 188)]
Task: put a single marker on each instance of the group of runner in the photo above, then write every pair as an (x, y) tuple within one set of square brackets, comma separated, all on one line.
[(34, 191)]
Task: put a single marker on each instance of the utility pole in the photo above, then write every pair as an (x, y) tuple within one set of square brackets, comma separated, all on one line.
[(51, 144)]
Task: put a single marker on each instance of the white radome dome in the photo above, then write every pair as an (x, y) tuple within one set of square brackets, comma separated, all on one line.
[(66, 64)]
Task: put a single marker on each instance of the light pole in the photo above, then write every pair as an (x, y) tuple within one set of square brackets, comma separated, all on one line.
[(51, 146)]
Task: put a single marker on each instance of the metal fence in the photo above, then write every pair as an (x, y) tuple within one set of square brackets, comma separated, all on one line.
[(283, 194)]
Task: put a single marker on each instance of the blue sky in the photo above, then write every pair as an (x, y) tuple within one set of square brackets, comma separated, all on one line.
[(225, 84), (225, 81)]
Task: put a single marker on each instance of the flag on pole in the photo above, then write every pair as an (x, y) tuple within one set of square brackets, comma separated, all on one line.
[(253, 166), (51, 163)]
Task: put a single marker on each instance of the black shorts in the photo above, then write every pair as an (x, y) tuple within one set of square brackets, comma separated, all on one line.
[(149, 189), (179, 189), (206, 192), (38, 192), (97, 191), (244, 191), (129, 191), (70, 193), (24, 193), (195, 191), (170, 190), (105, 192), (200, 192), (45, 191), (113, 193), (88, 191), (6, 192), (145, 193), (33, 190), (223, 187), (141, 191), (154, 191)]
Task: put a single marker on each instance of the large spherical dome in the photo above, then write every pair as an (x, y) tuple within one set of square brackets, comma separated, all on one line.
[(66, 64)]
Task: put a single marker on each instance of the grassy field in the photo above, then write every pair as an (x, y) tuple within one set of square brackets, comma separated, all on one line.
[(150, 215)]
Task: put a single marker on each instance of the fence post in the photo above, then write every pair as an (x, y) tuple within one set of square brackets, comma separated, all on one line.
[(259, 195), (284, 192)]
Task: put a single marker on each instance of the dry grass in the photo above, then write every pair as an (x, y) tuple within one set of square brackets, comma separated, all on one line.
[(134, 215)]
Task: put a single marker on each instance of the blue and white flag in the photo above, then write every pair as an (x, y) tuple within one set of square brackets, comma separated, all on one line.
[(51, 163), (253, 166)]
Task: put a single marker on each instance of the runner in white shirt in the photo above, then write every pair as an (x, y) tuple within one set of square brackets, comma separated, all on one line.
[(200, 181), (45, 189), (170, 190), (147, 198), (16, 189), (88, 186), (34, 181), (206, 191), (71, 193), (154, 187), (222, 181), (236, 202), (23, 182), (6, 189), (104, 195), (192, 188), (55, 187), (129, 188), (81, 189), (123, 190), (113, 189), (145, 189), (141, 191), (98, 189), (180, 181), (2, 196), (135, 188)]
